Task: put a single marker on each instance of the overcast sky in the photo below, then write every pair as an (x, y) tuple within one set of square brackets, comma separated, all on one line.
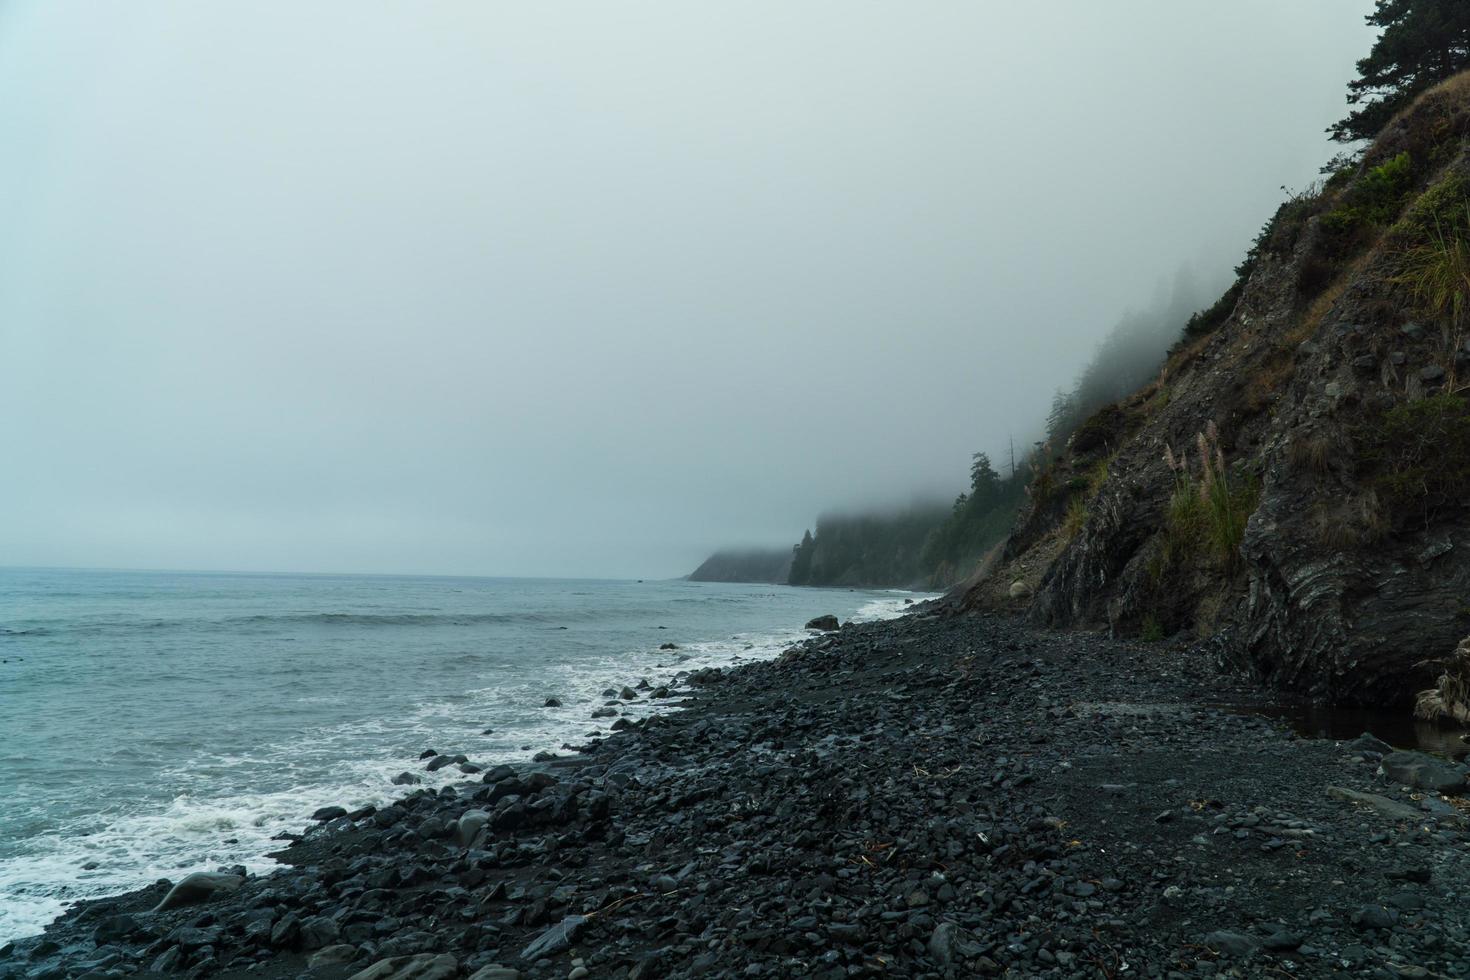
[(590, 289)]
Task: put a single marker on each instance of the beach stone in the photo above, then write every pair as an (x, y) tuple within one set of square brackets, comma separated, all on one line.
[(1375, 917), (605, 713), (332, 956), (1392, 809), (405, 779), (423, 966), (1367, 742), (471, 822), (552, 703), (328, 813), (1409, 901), (168, 961), (627, 693), (559, 937), (319, 932), (1282, 940), (495, 972), (198, 887), (1232, 944), (286, 932), (1019, 590), (1423, 771), (114, 927), (941, 944), (190, 937), (826, 623)]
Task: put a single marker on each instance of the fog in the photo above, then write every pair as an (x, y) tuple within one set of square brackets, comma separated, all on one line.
[(590, 290)]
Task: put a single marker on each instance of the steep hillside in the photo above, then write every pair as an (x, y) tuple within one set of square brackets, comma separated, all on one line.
[(768, 566), (1294, 483), (881, 550)]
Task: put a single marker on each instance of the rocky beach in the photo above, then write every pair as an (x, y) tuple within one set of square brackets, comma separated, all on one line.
[(931, 796)]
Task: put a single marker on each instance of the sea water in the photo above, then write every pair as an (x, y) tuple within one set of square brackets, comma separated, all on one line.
[(157, 723)]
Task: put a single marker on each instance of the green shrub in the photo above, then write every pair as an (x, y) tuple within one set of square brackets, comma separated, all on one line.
[(1184, 525), (1098, 474), (1207, 514), (1151, 630), (1100, 431), (1417, 455), (1375, 200), (1043, 485), (1435, 256), (1075, 518), (1438, 204)]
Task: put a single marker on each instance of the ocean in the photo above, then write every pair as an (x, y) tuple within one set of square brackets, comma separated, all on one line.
[(158, 723)]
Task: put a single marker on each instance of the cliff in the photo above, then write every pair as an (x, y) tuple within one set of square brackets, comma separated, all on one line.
[(1292, 487), (767, 566)]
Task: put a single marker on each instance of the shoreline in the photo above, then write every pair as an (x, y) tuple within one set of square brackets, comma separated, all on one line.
[(921, 796), (175, 801)]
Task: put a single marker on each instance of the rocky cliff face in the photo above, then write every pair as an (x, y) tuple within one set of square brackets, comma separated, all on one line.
[(1328, 405)]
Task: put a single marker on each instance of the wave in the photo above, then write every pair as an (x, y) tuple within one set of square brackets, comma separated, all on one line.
[(305, 619), (404, 619)]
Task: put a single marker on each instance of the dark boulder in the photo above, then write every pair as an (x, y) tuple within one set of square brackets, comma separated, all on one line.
[(554, 940), (1423, 772), (203, 885), (319, 932), (423, 966)]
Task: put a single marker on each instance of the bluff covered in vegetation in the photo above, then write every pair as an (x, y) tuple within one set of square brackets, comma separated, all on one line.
[(1292, 484)]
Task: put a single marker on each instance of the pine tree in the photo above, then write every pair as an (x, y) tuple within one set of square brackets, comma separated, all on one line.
[(1062, 418), (1423, 42), (984, 481)]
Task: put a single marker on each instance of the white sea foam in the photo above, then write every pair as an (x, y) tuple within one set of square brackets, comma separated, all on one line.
[(210, 826)]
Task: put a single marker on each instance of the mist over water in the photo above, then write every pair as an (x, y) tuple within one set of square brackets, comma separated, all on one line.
[(520, 290)]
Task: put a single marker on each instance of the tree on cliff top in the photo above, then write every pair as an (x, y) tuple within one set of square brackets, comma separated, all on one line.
[(984, 481), (1423, 42)]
